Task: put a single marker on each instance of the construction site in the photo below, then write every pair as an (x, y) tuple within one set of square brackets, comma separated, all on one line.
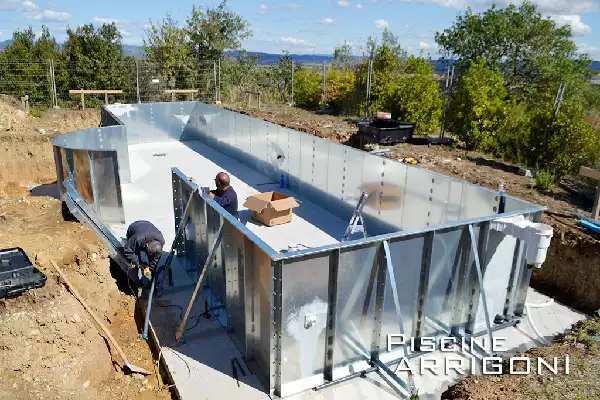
[(335, 248)]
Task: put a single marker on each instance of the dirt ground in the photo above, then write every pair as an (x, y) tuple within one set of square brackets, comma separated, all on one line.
[(49, 346)]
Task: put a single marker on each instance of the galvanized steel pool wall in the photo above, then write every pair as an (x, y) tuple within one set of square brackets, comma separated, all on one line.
[(315, 315)]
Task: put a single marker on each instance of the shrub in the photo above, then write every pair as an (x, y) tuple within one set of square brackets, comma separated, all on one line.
[(417, 96), (340, 89), (477, 113), (544, 180), (308, 88)]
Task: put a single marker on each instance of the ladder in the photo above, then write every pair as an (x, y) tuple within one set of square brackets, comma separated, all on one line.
[(357, 223)]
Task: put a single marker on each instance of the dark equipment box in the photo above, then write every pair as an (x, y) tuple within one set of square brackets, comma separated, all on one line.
[(385, 131), (17, 273)]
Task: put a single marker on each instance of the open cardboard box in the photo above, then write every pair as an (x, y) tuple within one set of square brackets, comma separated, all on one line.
[(271, 208)]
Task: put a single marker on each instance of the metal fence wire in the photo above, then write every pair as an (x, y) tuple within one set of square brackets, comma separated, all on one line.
[(48, 82)]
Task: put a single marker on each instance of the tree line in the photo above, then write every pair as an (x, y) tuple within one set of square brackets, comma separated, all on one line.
[(509, 62)]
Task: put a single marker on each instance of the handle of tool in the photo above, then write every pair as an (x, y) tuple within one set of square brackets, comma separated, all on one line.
[(75, 293), (190, 305)]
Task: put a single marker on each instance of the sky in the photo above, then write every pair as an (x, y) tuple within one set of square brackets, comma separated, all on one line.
[(298, 26)]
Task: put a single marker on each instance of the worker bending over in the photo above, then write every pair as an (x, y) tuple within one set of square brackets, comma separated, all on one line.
[(143, 248), (224, 194)]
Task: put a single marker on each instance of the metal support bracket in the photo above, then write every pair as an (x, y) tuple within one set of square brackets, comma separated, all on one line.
[(357, 223), (207, 264), (182, 224), (481, 288)]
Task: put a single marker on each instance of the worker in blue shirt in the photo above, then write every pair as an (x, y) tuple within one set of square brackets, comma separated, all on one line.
[(224, 194), (143, 249)]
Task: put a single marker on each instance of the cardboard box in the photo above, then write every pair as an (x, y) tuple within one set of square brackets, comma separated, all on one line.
[(271, 208)]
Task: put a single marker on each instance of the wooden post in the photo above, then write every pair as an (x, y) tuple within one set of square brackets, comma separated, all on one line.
[(172, 96), (259, 100), (25, 103), (105, 98), (595, 175), (82, 100)]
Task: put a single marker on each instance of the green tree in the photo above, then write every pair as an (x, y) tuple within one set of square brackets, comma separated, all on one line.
[(417, 96), (478, 110), (519, 41), (282, 75), (167, 44), (308, 88), (28, 71), (214, 30), (342, 56)]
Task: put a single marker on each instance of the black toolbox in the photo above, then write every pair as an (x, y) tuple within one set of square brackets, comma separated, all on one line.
[(17, 273)]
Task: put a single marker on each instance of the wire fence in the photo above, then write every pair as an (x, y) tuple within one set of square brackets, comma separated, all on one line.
[(48, 83)]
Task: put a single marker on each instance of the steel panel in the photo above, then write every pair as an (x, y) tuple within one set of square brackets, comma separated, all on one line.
[(307, 162), (110, 203), (372, 183), (259, 145), (243, 138), (83, 179), (478, 202), (352, 180), (294, 158), (418, 198), (406, 259), (304, 293), (281, 152), (500, 253), (233, 244), (355, 302), (445, 258), (394, 189), (336, 175)]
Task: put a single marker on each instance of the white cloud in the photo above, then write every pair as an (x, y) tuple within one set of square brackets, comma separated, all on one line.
[(295, 42), (49, 15), (343, 3), (359, 6), (29, 6), (292, 6), (424, 45), (125, 33), (381, 24), (577, 26), (592, 51), (18, 5), (327, 20), (263, 9), (117, 21), (545, 6)]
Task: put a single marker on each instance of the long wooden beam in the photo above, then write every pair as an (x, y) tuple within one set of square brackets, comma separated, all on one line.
[(81, 91)]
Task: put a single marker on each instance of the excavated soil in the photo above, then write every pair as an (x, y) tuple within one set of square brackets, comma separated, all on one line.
[(50, 348)]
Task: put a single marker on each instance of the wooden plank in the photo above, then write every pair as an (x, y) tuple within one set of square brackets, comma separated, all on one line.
[(81, 91), (180, 91), (589, 173)]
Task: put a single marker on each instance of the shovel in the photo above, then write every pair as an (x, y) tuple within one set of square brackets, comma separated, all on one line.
[(127, 366)]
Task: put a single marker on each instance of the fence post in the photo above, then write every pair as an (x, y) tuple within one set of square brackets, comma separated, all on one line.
[(324, 83), (292, 97), (51, 82), (82, 100), (219, 86), (369, 71), (215, 80), (137, 81)]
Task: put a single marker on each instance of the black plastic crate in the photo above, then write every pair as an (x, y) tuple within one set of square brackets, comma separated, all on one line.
[(385, 131), (17, 273)]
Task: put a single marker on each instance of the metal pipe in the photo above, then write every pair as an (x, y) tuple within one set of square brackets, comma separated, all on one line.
[(144, 335), (137, 81), (346, 378)]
